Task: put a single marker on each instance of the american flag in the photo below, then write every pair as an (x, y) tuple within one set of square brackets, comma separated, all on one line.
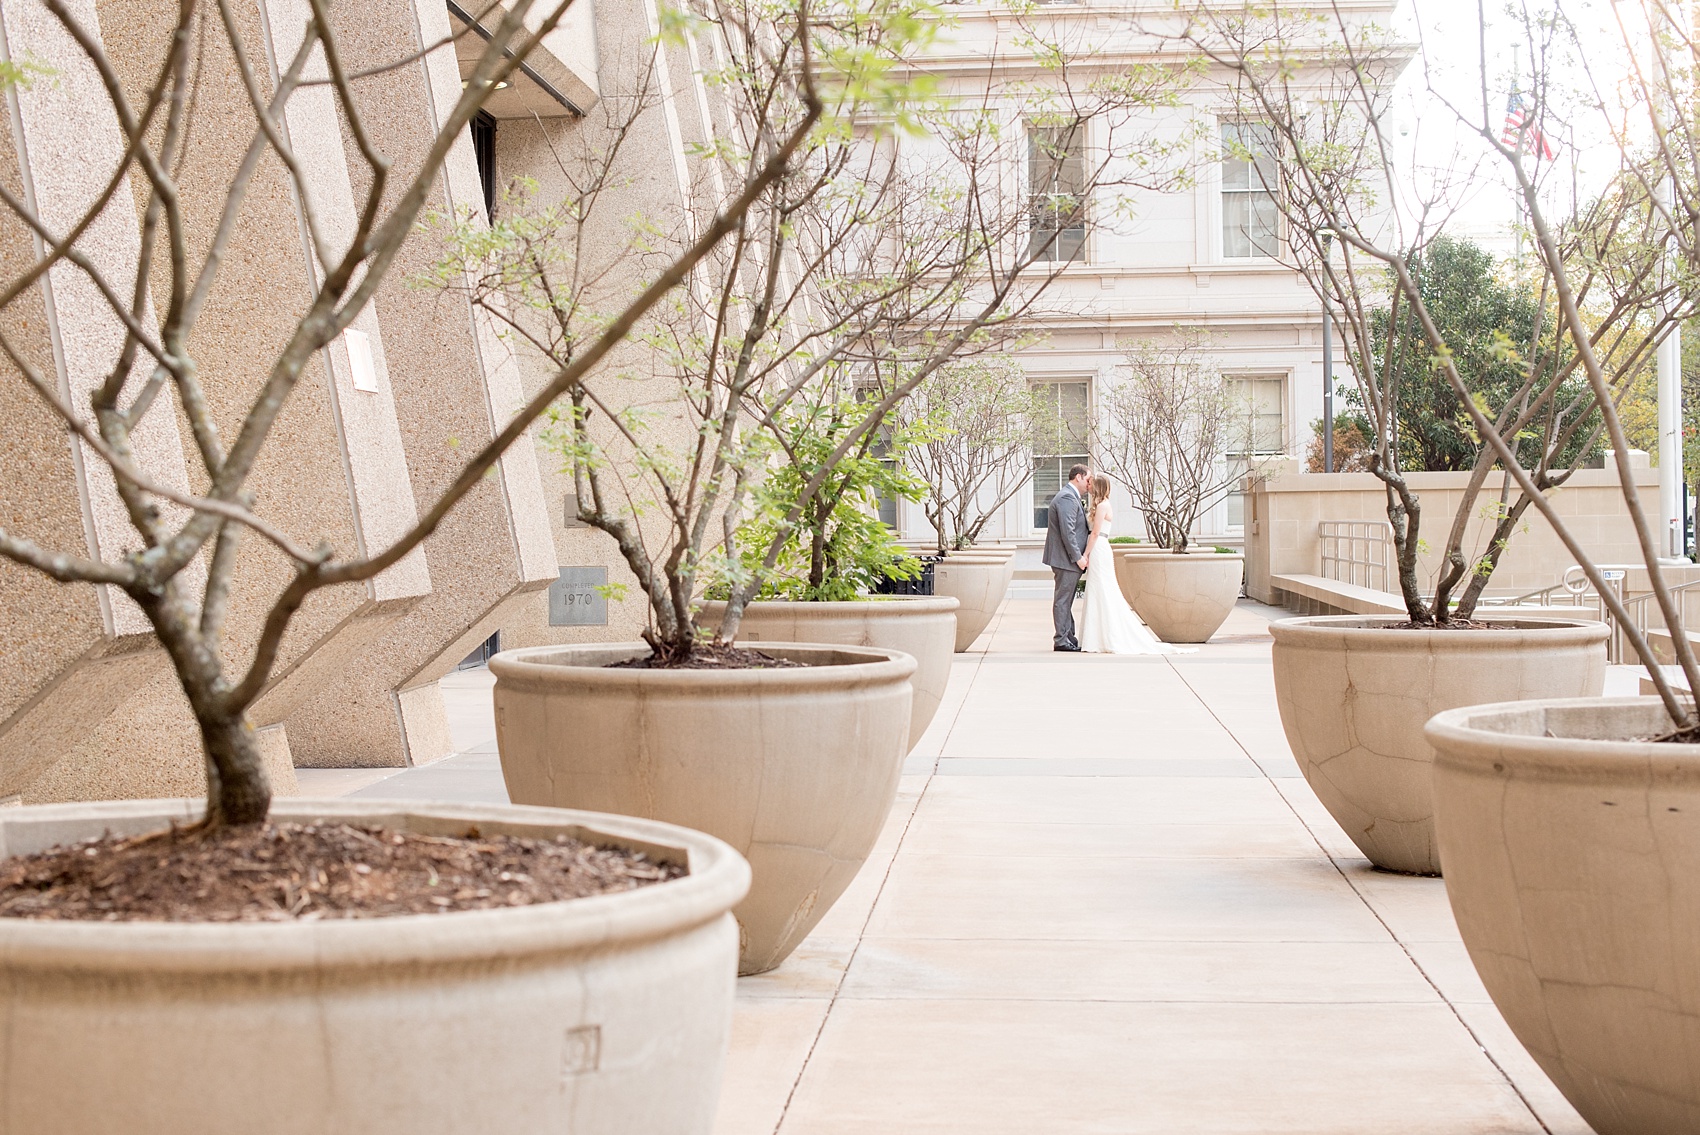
[(1521, 131)]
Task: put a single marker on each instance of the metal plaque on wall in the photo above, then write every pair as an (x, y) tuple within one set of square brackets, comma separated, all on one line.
[(574, 600)]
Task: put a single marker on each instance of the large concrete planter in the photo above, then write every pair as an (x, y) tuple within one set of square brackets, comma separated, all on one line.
[(922, 626), (604, 1015), (978, 581), (795, 768), (1571, 855), (1182, 598), (1354, 696)]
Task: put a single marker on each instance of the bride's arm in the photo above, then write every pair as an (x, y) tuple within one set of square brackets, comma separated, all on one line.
[(1097, 523)]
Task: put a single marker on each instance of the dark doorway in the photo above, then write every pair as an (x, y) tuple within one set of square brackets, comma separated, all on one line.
[(479, 657)]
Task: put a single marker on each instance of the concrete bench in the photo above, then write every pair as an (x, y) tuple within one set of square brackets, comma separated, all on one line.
[(1314, 595)]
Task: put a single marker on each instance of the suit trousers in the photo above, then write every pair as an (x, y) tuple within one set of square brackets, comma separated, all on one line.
[(1062, 606)]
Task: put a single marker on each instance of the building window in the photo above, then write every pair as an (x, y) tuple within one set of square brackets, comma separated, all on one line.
[(1060, 428), (1251, 223), (1056, 179), (1261, 431), (484, 152), (881, 448)]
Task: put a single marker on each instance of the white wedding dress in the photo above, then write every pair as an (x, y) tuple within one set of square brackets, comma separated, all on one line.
[(1108, 625)]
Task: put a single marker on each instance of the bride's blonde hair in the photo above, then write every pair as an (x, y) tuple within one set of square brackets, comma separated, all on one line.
[(1100, 493)]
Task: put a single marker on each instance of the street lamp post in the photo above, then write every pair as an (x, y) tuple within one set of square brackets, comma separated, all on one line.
[(1327, 365)]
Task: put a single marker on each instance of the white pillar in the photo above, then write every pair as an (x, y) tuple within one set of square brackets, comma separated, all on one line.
[(1670, 440)]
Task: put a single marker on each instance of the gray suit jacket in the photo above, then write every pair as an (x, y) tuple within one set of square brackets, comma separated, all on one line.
[(1065, 530)]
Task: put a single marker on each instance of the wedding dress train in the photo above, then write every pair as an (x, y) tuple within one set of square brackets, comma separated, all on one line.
[(1109, 625)]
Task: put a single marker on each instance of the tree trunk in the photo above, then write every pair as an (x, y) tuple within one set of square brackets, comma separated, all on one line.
[(238, 791)]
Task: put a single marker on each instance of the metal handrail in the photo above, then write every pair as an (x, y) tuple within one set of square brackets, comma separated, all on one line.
[(1357, 552), (1581, 593), (1575, 586)]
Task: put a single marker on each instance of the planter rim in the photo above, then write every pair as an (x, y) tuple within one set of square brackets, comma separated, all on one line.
[(541, 667), (719, 878), (926, 604), (1372, 631), (1461, 739), (1206, 557)]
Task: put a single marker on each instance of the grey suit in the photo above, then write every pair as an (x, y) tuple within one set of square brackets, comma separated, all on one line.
[(1065, 544)]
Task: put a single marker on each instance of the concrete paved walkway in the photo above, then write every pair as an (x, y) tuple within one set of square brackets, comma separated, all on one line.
[(1107, 903)]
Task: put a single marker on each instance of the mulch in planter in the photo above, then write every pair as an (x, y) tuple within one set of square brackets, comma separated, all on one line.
[(711, 656), (287, 871), (1449, 625)]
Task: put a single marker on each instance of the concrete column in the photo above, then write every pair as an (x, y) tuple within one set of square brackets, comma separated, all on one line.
[(89, 709), (360, 380), (68, 142)]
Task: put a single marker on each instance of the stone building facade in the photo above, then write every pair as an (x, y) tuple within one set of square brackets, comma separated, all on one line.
[(1210, 256), (88, 703)]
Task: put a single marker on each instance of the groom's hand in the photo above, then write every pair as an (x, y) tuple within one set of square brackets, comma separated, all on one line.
[(1083, 561)]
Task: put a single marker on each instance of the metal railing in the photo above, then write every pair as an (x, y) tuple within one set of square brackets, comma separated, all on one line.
[(1574, 590), (1358, 552), (1571, 591)]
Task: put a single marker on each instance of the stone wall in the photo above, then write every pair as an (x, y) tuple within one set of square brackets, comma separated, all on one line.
[(1284, 512), (89, 707)]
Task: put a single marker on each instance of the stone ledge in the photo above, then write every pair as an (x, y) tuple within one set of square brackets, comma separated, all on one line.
[(1315, 595)]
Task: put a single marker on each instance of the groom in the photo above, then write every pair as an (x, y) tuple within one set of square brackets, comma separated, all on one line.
[(1065, 553)]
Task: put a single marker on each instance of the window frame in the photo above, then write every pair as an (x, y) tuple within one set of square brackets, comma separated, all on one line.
[(1061, 460), (1080, 152), (1235, 500), (1256, 188)]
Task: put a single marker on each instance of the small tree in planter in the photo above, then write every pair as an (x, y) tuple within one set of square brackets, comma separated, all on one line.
[(838, 548), (980, 413), (1593, 800), (863, 272), (865, 268), (1325, 171), (177, 529), (1169, 431), (183, 572), (1321, 158)]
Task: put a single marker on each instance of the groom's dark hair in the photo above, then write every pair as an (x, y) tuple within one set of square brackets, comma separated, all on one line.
[(1077, 470)]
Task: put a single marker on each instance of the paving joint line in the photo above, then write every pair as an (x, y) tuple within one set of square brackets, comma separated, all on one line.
[(861, 933), (1515, 1087)]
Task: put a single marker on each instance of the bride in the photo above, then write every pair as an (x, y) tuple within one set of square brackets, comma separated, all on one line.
[(1109, 625)]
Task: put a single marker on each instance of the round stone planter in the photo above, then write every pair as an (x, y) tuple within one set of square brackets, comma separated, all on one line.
[(602, 1015), (1570, 856), (795, 768), (978, 582), (1354, 695), (1182, 598), (922, 626)]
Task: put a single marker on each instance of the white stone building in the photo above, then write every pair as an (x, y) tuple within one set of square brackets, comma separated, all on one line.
[(1208, 256)]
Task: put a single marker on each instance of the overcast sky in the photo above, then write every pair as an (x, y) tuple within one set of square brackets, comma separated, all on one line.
[(1437, 145)]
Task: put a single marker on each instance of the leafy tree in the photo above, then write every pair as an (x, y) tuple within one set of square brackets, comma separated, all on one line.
[(838, 548), (1353, 445), (1478, 312)]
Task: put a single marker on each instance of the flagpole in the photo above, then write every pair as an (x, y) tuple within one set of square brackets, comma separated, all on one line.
[(1517, 198)]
